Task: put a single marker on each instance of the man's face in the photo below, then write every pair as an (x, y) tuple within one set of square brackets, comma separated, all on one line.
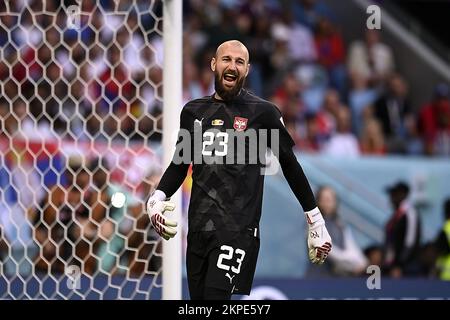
[(230, 67)]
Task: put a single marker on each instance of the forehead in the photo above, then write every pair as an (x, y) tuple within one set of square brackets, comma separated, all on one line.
[(328, 192), (233, 50)]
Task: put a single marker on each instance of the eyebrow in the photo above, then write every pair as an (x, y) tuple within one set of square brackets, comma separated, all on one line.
[(237, 59)]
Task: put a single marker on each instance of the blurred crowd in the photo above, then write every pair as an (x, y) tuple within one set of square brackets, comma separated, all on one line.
[(84, 220), (101, 80), (402, 253)]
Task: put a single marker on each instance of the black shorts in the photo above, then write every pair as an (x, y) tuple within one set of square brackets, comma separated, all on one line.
[(221, 259)]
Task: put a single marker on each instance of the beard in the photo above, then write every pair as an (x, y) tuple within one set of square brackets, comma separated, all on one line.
[(225, 93)]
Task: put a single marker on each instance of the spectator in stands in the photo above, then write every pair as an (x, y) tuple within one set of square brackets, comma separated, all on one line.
[(360, 99), (371, 59), (328, 114), (311, 139), (300, 40), (117, 222), (394, 111), (308, 12), (288, 98), (434, 122), (143, 242), (342, 143), (347, 259), (442, 245), (54, 221), (372, 138), (402, 235), (331, 54), (374, 255)]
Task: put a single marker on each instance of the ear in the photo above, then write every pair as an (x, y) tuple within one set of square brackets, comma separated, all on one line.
[(213, 64), (248, 70)]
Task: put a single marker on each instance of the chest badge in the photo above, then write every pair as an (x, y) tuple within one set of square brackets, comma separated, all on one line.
[(240, 124), (217, 122)]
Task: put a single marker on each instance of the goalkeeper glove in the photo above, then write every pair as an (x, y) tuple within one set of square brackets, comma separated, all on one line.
[(319, 241), (155, 208)]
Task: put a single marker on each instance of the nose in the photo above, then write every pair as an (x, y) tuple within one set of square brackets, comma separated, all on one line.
[(232, 65)]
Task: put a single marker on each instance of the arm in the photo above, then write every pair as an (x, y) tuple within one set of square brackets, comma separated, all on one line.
[(297, 180), (175, 174), (319, 241), (171, 180)]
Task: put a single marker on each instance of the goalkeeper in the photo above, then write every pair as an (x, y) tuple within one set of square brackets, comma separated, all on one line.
[(226, 196)]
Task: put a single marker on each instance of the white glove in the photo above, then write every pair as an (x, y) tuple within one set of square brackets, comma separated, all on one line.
[(319, 241), (155, 208)]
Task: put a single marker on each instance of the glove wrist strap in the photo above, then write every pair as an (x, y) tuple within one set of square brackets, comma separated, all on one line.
[(159, 195), (314, 216)]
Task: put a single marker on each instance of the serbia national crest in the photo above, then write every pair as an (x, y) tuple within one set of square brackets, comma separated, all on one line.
[(240, 124)]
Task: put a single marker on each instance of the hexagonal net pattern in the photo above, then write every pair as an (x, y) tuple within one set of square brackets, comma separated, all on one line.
[(80, 111)]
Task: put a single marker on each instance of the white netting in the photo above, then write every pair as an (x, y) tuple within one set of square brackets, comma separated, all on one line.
[(80, 105)]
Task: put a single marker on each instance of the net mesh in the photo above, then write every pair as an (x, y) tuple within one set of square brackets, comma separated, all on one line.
[(80, 110)]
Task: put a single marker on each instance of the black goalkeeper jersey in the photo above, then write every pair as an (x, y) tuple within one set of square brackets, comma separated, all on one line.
[(226, 142)]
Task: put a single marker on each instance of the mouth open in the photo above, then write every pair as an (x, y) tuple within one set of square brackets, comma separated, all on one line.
[(229, 79)]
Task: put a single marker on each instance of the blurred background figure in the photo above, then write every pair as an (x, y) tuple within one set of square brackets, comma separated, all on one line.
[(343, 142), (394, 112), (402, 234), (443, 246), (346, 258), (374, 255), (434, 122), (57, 216), (114, 209), (145, 251), (371, 58)]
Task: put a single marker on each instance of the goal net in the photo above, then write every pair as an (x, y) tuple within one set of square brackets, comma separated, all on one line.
[(81, 106)]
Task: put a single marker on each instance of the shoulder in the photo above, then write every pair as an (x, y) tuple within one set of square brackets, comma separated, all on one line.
[(264, 105), (195, 107), (195, 104)]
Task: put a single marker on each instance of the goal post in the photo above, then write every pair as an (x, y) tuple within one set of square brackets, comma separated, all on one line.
[(172, 93)]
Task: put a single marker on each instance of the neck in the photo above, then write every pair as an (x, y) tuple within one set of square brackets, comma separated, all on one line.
[(216, 95)]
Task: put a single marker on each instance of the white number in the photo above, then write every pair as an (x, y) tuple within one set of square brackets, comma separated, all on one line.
[(228, 255), (223, 143), (241, 254), (208, 140)]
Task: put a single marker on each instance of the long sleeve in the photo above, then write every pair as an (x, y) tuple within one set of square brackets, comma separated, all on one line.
[(297, 180), (176, 172), (292, 170), (172, 178)]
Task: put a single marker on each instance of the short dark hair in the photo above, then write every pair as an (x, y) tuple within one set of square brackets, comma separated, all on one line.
[(400, 186)]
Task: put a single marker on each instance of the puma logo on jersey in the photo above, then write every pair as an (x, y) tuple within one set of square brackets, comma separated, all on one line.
[(198, 121), (230, 277)]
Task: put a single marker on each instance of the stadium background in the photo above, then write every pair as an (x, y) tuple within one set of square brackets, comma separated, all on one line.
[(61, 105)]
